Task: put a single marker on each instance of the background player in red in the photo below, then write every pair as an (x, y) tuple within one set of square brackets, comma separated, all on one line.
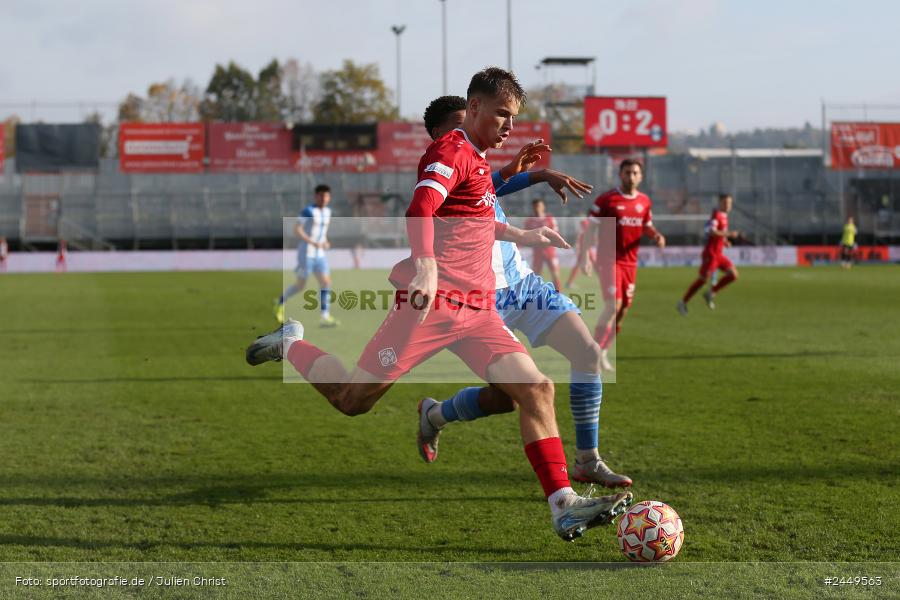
[(547, 254), (717, 238), (61, 256), (591, 252), (4, 253), (626, 213), (445, 300)]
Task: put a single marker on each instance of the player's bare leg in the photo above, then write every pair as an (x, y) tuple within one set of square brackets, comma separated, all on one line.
[(278, 305), (351, 393), (570, 337), (693, 289), (607, 328), (730, 276), (326, 320), (516, 375)]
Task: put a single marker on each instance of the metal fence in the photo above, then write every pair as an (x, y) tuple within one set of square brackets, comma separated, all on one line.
[(783, 197)]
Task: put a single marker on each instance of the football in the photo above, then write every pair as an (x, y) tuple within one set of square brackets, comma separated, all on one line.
[(650, 531)]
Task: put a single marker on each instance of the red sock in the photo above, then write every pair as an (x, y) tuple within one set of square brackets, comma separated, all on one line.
[(698, 283), (548, 459), (723, 282), (302, 355), (557, 284)]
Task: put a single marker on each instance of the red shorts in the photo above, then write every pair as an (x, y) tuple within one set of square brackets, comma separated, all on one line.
[(542, 256), (477, 336), (617, 282), (711, 262)]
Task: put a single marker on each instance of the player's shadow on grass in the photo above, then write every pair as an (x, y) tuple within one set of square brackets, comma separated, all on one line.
[(352, 488), (736, 355)]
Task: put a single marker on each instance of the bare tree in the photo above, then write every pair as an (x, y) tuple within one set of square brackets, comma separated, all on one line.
[(301, 90)]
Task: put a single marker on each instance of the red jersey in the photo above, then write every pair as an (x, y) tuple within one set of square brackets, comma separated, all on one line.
[(715, 244), (545, 221), (463, 224), (631, 214)]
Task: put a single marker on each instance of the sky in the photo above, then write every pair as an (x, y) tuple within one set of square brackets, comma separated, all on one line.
[(743, 63)]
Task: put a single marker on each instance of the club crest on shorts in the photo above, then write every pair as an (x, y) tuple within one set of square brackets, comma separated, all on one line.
[(387, 356)]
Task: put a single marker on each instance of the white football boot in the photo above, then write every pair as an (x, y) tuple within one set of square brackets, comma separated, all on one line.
[(273, 346), (580, 513)]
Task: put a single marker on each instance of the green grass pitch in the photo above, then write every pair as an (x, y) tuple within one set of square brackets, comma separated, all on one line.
[(132, 430)]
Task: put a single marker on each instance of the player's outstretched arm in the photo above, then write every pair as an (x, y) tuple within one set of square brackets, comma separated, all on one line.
[(541, 236), (651, 232), (560, 182)]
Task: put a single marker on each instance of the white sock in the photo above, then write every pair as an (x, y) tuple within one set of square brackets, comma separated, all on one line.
[(435, 416), (560, 499), (588, 455)]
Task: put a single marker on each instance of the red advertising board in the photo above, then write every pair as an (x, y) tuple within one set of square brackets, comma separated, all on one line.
[(620, 122), (811, 255), (865, 145), (361, 161), (249, 147), (2, 148), (400, 145), (161, 147), (522, 133)]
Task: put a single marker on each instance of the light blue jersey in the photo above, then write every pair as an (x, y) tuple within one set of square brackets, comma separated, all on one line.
[(314, 221), (509, 266)]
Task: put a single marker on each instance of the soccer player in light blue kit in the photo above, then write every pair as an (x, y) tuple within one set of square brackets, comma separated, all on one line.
[(527, 303), (312, 229)]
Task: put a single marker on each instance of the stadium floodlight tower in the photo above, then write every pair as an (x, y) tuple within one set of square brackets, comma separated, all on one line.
[(563, 103)]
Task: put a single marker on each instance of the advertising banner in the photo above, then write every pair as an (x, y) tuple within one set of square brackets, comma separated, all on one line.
[(256, 147), (865, 145), (162, 147), (812, 255)]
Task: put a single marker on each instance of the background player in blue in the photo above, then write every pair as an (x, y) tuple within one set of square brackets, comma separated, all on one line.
[(312, 229), (548, 317)]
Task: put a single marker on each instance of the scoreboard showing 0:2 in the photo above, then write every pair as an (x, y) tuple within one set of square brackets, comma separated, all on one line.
[(617, 122)]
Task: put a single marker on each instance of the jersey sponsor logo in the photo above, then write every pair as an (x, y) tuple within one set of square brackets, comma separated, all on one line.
[(631, 221), (440, 169), (489, 199), (387, 356)]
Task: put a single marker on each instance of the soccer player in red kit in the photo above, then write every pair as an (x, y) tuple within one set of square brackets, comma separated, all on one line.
[(544, 254), (628, 215), (591, 252), (445, 299), (4, 253), (717, 238)]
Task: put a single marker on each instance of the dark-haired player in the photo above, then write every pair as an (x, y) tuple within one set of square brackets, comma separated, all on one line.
[(717, 238), (628, 217), (312, 229), (445, 300)]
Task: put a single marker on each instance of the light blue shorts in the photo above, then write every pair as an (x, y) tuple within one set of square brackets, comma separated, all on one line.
[(532, 306), (311, 264)]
